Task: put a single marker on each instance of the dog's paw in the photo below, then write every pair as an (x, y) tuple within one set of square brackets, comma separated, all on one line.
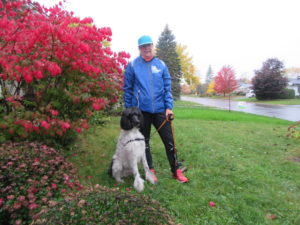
[(138, 184), (151, 178), (120, 181)]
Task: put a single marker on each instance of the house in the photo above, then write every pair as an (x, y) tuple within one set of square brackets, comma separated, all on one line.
[(294, 83), (243, 88)]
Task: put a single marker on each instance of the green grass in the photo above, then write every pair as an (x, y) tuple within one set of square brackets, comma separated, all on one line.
[(242, 162), (295, 101)]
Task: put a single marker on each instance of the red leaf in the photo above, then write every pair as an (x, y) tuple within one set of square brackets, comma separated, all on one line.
[(271, 216), (212, 204)]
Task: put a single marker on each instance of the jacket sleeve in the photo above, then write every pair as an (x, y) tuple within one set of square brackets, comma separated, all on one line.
[(128, 85), (167, 88)]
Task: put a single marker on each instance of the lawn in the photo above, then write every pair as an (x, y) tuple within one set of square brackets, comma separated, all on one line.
[(242, 162)]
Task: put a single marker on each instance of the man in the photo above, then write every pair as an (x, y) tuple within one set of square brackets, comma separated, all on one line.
[(147, 85)]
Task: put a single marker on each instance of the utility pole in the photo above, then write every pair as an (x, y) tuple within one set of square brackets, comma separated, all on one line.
[(229, 93)]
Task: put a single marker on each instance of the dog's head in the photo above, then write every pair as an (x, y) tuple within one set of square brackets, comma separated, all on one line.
[(131, 117)]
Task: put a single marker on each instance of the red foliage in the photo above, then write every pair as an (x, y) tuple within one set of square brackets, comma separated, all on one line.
[(34, 45), (60, 64), (33, 176), (225, 81)]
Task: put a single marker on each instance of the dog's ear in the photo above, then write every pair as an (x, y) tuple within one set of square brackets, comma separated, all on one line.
[(125, 122)]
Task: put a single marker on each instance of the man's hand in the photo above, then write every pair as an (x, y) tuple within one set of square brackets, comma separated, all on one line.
[(169, 114)]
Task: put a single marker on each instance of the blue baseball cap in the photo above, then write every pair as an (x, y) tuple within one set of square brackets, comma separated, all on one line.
[(145, 40)]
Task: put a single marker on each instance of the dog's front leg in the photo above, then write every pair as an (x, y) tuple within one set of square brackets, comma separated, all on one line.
[(149, 176), (138, 181), (117, 171), (118, 178)]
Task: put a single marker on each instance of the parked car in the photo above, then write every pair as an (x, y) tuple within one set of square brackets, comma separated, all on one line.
[(250, 94)]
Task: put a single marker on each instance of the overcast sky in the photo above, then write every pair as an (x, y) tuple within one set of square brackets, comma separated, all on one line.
[(239, 33)]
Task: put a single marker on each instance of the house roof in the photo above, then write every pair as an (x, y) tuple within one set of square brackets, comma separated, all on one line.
[(294, 81), (244, 85)]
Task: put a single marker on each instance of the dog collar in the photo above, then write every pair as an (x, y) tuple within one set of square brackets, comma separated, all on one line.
[(136, 139)]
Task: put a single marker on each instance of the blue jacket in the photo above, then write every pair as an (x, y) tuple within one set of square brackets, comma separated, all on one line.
[(147, 85)]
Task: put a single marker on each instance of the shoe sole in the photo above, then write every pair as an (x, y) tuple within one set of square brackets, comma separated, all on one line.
[(182, 182)]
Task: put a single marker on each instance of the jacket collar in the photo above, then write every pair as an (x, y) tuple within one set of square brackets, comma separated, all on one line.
[(145, 60)]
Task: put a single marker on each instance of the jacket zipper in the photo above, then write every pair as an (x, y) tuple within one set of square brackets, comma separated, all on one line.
[(151, 86)]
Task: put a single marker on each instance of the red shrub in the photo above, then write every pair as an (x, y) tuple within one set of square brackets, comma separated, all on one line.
[(32, 175), (55, 71)]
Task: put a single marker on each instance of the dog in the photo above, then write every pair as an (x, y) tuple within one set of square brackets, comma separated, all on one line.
[(130, 150)]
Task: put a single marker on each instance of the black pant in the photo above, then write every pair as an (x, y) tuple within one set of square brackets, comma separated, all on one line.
[(165, 134)]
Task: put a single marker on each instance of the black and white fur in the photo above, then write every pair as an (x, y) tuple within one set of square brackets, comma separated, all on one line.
[(130, 150)]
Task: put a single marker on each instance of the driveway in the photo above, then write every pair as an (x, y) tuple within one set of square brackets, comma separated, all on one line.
[(286, 112)]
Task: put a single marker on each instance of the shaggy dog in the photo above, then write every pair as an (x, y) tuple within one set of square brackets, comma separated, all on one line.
[(130, 150)]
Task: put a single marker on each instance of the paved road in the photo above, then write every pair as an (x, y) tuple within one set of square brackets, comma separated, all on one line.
[(286, 112)]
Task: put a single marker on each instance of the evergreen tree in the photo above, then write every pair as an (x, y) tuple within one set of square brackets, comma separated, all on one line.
[(209, 75), (166, 51)]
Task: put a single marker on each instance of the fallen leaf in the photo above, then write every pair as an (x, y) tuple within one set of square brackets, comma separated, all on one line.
[(271, 216)]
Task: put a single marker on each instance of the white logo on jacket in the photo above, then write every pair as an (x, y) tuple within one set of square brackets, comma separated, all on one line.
[(154, 69)]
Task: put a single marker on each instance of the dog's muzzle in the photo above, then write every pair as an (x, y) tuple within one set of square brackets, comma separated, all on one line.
[(136, 121)]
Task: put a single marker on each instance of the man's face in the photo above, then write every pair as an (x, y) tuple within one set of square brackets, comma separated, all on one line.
[(146, 51)]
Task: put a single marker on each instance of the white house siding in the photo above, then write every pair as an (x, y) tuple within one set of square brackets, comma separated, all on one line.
[(295, 85)]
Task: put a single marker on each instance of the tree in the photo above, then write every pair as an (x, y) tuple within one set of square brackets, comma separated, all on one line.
[(209, 75), (55, 72), (225, 81), (211, 87), (187, 67), (201, 89), (269, 82), (185, 89), (166, 51)]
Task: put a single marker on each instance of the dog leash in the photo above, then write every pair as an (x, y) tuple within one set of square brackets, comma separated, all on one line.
[(168, 119)]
